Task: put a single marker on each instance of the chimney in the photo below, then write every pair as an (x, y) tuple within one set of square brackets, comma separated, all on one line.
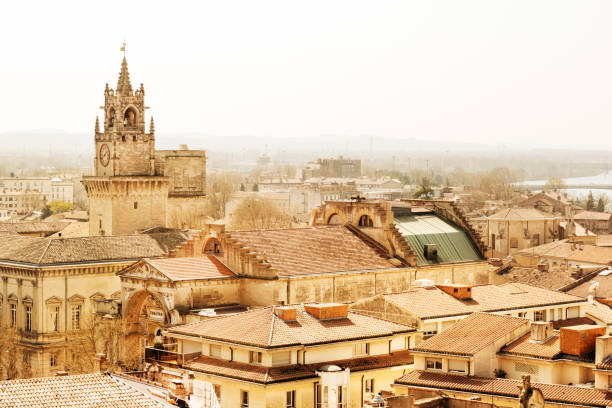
[(603, 348), (100, 363), (541, 332), (580, 340), (461, 292), (177, 388), (327, 311), (496, 262), (183, 147), (286, 313), (576, 273)]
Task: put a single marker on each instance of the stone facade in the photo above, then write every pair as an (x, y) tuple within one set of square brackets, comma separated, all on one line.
[(133, 182)]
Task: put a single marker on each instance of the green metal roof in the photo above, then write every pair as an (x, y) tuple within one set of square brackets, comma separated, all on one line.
[(454, 245)]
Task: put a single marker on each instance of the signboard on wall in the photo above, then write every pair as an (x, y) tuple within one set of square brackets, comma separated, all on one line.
[(156, 314)]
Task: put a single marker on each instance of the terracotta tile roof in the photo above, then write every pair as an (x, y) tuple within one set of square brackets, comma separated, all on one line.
[(75, 229), (262, 328), (604, 285), (47, 251), (520, 214), (599, 311), (525, 347), (427, 303), (312, 250), (552, 279), (90, 390), (574, 321), (267, 375), (207, 267), (472, 334), (565, 394), (592, 215), (604, 240), (606, 364), (33, 227), (574, 252)]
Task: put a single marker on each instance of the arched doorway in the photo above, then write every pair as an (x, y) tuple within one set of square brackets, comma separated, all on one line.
[(335, 219), (212, 247), (144, 315)]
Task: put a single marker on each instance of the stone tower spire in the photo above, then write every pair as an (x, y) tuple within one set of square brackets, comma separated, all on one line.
[(124, 87), (97, 129), (152, 127)]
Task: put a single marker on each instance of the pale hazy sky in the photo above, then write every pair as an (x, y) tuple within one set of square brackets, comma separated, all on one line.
[(504, 72)]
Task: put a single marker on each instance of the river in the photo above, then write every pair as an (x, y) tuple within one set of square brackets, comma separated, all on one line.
[(600, 179)]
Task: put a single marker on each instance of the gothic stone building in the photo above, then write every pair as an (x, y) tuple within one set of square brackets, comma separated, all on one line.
[(136, 187)]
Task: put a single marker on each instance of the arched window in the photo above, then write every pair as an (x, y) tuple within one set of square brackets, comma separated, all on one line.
[(213, 247), (335, 219), (111, 118), (365, 221), (129, 118)]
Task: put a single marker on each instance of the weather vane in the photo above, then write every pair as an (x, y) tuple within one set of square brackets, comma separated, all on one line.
[(123, 48)]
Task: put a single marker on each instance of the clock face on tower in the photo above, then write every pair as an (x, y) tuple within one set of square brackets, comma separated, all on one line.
[(104, 155)]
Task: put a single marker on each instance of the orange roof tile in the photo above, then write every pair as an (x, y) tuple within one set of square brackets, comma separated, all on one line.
[(592, 215), (525, 347), (267, 375), (472, 334), (262, 328), (207, 267), (565, 394), (606, 364), (24, 227), (312, 250), (575, 252), (48, 251), (552, 279), (89, 390), (427, 303), (520, 214), (599, 311)]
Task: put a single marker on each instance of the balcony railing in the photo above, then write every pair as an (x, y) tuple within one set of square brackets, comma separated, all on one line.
[(168, 354)]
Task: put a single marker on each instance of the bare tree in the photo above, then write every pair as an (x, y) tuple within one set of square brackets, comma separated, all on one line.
[(99, 335), (259, 213), (11, 355), (220, 189)]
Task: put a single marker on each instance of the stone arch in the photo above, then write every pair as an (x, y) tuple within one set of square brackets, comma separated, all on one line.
[(212, 246), (365, 221), (135, 303), (335, 219), (110, 118), (130, 116), (140, 326)]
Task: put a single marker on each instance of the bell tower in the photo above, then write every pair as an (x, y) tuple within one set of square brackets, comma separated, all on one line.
[(125, 195), (124, 148)]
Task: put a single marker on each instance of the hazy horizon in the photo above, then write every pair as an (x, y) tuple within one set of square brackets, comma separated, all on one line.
[(519, 74)]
